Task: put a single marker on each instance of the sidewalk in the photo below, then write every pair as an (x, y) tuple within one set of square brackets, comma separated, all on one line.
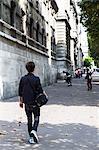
[(70, 120)]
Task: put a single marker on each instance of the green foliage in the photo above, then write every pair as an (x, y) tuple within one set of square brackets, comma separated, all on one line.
[(88, 61), (90, 19)]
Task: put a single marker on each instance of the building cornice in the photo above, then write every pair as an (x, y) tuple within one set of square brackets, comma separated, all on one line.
[(63, 59), (65, 20)]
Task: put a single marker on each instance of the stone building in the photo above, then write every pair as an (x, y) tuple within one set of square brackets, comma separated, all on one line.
[(69, 53), (76, 50), (27, 32), (74, 34), (63, 36)]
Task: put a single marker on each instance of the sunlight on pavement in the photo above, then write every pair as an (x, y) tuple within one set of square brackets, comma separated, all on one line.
[(56, 114), (53, 114), (10, 111)]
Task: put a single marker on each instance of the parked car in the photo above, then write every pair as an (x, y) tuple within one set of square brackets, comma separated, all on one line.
[(95, 75)]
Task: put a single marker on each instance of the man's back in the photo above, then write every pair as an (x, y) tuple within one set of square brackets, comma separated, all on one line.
[(28, 88)]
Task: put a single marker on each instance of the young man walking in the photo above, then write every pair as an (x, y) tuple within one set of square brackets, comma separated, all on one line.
[(89, 79), (29, 87)]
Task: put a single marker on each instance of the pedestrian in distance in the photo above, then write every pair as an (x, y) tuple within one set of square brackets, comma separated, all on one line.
[(27, 97), (68, 78), (89, 79), (79, 73)]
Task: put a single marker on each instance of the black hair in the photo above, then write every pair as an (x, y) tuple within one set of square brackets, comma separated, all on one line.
[(30, 66)]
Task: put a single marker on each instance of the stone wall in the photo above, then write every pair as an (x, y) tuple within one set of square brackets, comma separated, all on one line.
[(13, 57), (26, 35)]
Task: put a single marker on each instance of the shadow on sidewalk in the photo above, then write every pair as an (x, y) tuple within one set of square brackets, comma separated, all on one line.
[(76, 95), (57, 137)]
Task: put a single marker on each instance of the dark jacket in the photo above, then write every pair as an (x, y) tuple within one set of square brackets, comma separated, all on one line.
[(88, 76), (26, 91), (68, 74)]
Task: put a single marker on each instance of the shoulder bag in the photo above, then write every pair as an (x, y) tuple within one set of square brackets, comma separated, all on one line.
[(41, 99)]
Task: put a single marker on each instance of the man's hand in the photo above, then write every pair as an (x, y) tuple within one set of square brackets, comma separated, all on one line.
[(21, 104), (45, 94)]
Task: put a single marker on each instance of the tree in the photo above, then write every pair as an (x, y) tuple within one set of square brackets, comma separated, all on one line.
[(88, 61), (90, 19)]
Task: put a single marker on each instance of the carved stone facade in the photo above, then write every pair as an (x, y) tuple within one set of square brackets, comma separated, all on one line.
[(68, 44), (74, 34), (27, 32), (76, 51), (63, 36)]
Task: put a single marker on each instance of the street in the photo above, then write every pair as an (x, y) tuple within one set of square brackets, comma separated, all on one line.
[(70, 120)]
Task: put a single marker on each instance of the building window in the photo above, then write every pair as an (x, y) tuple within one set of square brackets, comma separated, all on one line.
[(68, 41), (45, 40), (30, 2), (31, 27), (37, 32), (37, 5), (22, 19), (53, 43), (43, 33), (12, 13)]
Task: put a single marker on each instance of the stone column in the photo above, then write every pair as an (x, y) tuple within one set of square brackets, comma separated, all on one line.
[(61, 51)]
